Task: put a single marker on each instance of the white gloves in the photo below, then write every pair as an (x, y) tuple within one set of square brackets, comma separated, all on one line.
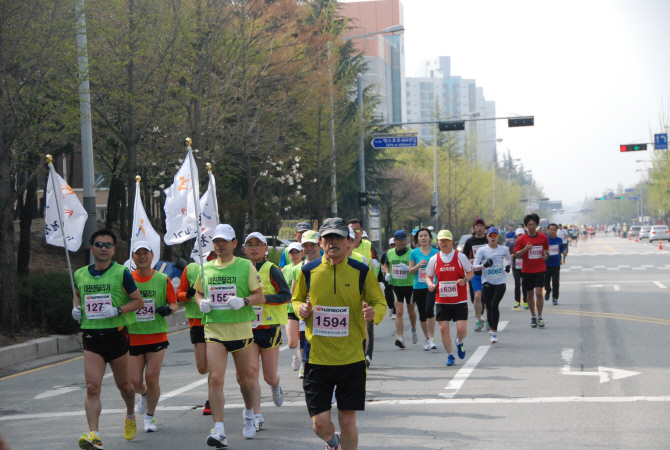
[(381, 286), (387, 277), (402, 266), (205, 306), (235, 302), (109, 311), (374, 263), (76, 313)]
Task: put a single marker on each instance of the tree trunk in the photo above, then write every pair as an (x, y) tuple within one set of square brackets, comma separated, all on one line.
[(29, 205), (131, 144), (113, 201)]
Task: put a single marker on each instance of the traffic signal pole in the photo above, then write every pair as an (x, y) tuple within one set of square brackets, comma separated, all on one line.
[(361, 152), (436, 222)]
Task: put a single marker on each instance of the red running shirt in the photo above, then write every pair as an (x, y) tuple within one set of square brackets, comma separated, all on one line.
[(532, 260)]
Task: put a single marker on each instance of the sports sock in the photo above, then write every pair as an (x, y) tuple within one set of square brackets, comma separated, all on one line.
[(334, 441), (131, 416), (218, 426), (148, 417), (248, 413)]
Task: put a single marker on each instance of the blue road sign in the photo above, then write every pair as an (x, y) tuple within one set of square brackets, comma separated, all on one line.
[(395, 142), (661, 141), (611, 194), (629, 190), (632, 198)]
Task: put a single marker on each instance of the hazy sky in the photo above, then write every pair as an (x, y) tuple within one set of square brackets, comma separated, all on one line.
[(595, 74)]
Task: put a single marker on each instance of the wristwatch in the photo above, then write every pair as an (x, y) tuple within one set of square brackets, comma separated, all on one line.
[(119, 310), (246, 302)]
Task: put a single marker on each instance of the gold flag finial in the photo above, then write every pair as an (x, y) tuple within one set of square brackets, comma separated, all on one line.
[(208, 166), (138, 178), (188, 142), (49, 159)]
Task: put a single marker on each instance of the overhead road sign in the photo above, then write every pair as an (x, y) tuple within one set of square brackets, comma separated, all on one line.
[(632, 147), (395, 142), (632, 198), (629, 190), (661, 141)]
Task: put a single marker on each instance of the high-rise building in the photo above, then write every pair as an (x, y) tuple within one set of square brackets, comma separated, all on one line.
[(437, 95), (384, 54)]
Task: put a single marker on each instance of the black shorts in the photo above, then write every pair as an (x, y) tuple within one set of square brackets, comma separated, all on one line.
[(267, 338), (319, 382), (137, 350), (403, 294), (198, 334), (232, 346), (451, 313), (531, 281), (292, 316), (110, 343)]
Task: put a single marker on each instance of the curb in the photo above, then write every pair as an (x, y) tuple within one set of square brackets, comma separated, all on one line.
[(58, 344)]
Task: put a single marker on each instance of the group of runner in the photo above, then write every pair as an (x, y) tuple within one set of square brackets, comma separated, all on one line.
[(329, 295)]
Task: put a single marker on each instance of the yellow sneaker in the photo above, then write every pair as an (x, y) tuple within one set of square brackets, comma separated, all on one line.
[(130, 429), (90, 440)]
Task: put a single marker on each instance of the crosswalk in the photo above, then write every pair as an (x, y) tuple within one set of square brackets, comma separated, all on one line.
[(620, 267)]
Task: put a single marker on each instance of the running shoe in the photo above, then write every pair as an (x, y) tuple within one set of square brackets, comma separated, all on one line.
[(488, 327), (516, 305), (249, 430), (400, 342), (533, 322), (450, 360), (278, 396), (258, 421), (129, 429), (206, 410), (90, 440), (555, 301), (295, 364), (546, 295), (389, 313), (149, 424), (461, 350), (415, 338), (142, 404), (426, 344), (217, 440), (540, 322), (525, 305), (393, 316), (337, 446), (479, 325), (494, 338), (432, 344)]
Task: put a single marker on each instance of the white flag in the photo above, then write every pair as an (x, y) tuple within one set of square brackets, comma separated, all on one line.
[(180, 215), (143, 231), (73, 214), (208, 222)]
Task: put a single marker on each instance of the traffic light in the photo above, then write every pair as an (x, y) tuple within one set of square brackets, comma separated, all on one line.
[(362, 199), (601, 198), (632, 147), (452, 125), (521, 122), (433, 211)]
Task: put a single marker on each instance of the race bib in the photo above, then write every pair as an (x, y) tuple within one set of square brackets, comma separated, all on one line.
[(331, 321), (422, 275), (93, 305), (218, 295), (258, 318), (147, 312), (553, 250), (398, 273), (535, 252), (494, 271), (518, 263), (448, 289), (475, 248)]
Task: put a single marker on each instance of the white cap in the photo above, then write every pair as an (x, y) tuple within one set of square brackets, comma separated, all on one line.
[(352, 233), (258, 236), (295, 246), (141, 244), (224, 231), (364, 234), (519, 231), (392, 241)]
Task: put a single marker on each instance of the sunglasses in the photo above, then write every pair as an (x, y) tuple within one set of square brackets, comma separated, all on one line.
[(493, 235), (107, 245), (358, 231)]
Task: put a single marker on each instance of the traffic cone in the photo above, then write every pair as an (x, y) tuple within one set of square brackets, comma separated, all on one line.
[(636, 239), (660, 245), (629, 236)]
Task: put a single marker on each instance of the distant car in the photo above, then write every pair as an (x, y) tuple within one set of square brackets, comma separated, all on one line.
[(281, 243), (461, 242), (644, 232), (635, 230), (659, 233), (543, 225)]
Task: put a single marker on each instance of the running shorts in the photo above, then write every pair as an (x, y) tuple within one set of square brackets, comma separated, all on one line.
[(110, 343), (320, 380), (530, 281), (137, 350), (403, 294), (476, 283), (232, 346), (198, 334), (292, 316), (267, 338), (451, 313)]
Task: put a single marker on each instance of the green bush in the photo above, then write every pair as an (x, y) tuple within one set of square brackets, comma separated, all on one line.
[(274, 255), (46, 302)]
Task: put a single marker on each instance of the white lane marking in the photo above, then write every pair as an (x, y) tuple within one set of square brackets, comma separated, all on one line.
[(607, 281), (108, 375), (659, 284), (604, 373), (639, 268), (598, 267), (283, 347), (181, 390), (612, 268), (566, 355), (463, 374), (502, 324), (586, 269), (57, 390), (646, 265), (623, 266), (616, 287), (576, 267)]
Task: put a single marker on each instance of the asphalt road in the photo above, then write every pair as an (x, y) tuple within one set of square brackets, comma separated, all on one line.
[(596, 377)]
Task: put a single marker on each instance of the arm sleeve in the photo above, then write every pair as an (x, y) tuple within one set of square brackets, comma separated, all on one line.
[(283, 294), (507, 257), (128, 282), (373, 296), (518, 246), (478, 258), (467, 249), (170, 295), (183, 287), (300, 291)]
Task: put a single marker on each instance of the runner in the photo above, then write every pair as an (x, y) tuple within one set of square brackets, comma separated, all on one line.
[(565, 237), (300, 228), (296, 254), (574, 235), (418, 258), (477, 241), (510, 237), (388, 291), (553, 273), (267, 324), (533, 247), (335, 321), (233, 287), (109, 296), (447, 273), (396, 268), (495, 261), (364, 246), (148, 336), (517, 265)]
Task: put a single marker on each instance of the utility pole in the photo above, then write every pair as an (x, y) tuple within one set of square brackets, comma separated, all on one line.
[(436, 195), (361, 153)]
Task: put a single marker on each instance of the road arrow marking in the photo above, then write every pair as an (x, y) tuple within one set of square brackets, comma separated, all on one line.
[(659, 284), (605, 373), (615, 286)]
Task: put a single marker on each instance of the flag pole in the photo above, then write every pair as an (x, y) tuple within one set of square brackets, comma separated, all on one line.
[(132, 230), (58, 193), (213, 184), (197, 209)]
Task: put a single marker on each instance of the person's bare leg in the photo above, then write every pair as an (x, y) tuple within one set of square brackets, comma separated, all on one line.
[(478, 305), (136, 372), (430, 326), (122, 378), (411, 312), (200, 351), (399, 324), (444, 333), (217, 358), (530, 298), (539, 304), (349, 436), (254, 372), (94, 370), (154, 361), (461, 329), (243, 362), (323, 426)]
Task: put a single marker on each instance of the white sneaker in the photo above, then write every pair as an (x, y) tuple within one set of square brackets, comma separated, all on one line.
[(415, 338), (249, 430), (494, 338), (392, 316), (258, 421), (389, 313), (217, 440), (142, 405), (295, 364), (150, 424), (426, 344), (432, 344), (278, 396)]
